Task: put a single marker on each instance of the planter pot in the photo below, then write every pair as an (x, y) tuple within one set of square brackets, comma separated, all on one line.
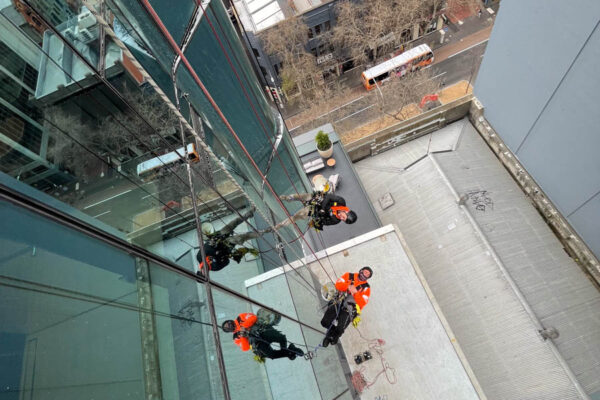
[(326, 153)]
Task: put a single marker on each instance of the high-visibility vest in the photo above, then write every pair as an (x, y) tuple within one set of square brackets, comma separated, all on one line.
[(363, 290), (244, 320)]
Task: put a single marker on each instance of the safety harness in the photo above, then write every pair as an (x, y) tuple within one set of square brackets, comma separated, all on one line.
[(360, 287), (314, 203), (239, 332), (221, 242), (218, 240), (344, 300)]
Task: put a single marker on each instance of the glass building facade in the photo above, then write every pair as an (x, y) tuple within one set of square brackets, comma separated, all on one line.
[(130, 132)]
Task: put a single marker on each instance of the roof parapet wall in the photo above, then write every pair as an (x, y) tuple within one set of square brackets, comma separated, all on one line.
[(572, 242)]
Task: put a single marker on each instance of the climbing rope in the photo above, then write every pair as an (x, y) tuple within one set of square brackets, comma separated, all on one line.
[(359, 381)]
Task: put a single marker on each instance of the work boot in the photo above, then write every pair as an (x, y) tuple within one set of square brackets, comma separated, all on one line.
[(326, 341), (333, 341), (296, 350)]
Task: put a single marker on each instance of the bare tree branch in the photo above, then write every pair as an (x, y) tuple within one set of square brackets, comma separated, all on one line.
[(302, 79), (113, 136), (370, 29), (398, 93)]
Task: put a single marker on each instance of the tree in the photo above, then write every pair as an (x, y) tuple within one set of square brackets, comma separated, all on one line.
[(400, 92), (369, 29), (302, 80), (120, 136)]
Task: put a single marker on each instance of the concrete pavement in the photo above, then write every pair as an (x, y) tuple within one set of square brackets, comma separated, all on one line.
[(419, 358)]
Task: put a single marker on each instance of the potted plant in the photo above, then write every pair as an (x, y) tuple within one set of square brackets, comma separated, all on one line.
[(324, 145)]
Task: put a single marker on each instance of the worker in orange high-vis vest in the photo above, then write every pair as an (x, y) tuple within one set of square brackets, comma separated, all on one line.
[(340, 312), (247, 334)]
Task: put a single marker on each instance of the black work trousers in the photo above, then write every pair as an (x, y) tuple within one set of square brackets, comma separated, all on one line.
[(343, 318), (262, 344)]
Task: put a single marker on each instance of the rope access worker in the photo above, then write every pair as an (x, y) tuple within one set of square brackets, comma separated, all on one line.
[(321, 208), (250, 334), (353, 295), (220, 246)]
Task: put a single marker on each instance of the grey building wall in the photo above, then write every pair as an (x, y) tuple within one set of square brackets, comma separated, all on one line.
[(538, 82)]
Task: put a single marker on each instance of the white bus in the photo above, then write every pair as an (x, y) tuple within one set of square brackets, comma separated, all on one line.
[(411, 60)]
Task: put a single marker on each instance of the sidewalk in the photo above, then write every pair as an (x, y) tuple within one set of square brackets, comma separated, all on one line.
[(442, 53)]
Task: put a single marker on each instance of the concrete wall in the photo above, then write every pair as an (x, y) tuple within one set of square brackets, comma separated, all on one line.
[(408, 130), (537, 83)]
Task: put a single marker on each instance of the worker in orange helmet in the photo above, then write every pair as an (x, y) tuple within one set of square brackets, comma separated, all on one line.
[(321, 208), (247, 334), (353, 296)]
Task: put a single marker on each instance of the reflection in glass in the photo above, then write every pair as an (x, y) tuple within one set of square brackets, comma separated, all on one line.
[(70, 326), (289, 376), (257, 332), (82, 125), (220, 246), (69, 135), (186, 348)]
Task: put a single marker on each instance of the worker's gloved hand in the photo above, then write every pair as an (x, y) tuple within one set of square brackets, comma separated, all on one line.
[(356, 319), (313, 224), (259, 359), (243, 333)]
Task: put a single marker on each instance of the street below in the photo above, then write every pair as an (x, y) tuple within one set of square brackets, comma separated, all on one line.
[(455, 61)]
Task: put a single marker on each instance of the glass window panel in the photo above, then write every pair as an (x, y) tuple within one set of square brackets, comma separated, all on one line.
[(288, 376), (70, 322), (217, 135), (186, 347), (73, 21), (85, 146), (137, 22), (142, 51), (300, 296), (91, 142), (176, 22)]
